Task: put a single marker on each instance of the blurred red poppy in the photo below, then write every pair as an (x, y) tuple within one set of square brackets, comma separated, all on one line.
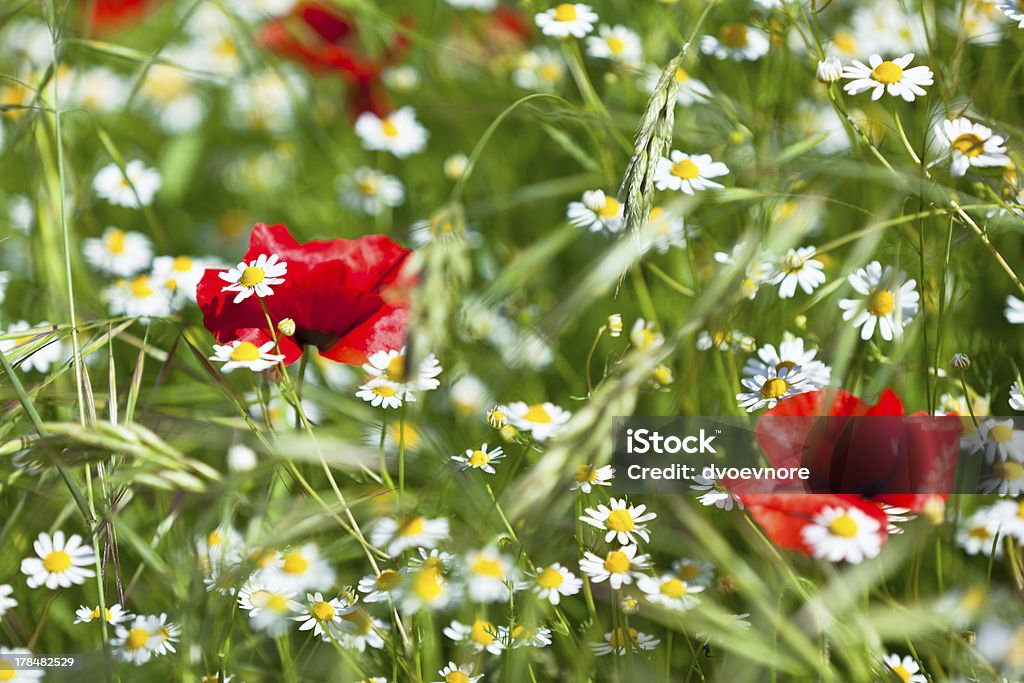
[(110, 15), (348, 298)]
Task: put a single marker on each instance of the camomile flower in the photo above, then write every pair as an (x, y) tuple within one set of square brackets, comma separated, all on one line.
[(622, 521), (59, 562), (620, 640), (978, 534), (1009, 516), (616, 43), (997, 439), (180, 275), (138, 297), (791, 353), (165, 634), (688, 173), (759, 268), (468, 395), (398, 132), (38, 343), (765, 391), (299, 569), (320, 614), (487, 574), (389, 367), (265, 101), (737, 42), (427, 588), (397, 536), (132, 188), (619, 567), (370, 191), (951, 404), (829, 70), (541, 69), (481, 635), (689, 90), (841, 534), (889, 302), (98, 89), (269, 608), (257, 277), (799, 268), (905, 668), (970, 144), (694, 572), (542, 420), (382, 394), (458, 674), (567, 19), (1006, 479), (888, 76), (553, 582), (245, 354), (6, 601), (597, 212), (714, 494), (1017, 396), (588, 476), (1014, 311), (135, 642), (115, 614), (1013, 10), (479, 458), (19, 675), (669, 591), (665, 230), (523, 636), (381, 587), (171, 97), (118, 252), (359, 630)]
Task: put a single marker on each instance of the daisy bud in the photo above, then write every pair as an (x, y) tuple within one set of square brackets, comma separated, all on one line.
[(629, 605), (241, 458), (286, 327), (663, 376), (508, 432), (727, 584), (969, 637), (455, 166), (496, 418), (614, 325), (961, 362), (830, 70), (800, 321)]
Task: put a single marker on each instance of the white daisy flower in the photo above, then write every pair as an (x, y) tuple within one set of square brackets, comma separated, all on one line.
[(38, 342), (694, 572), (389, 367), (427, 588), (567, 19), (139, 297), (597, 212), (978, 534), (523, 636), (665, 230), (245, 354), (1006, 479), (588, 476), (382, 394), (689, 90), (382, 587), (889, 302), (1014, 310), (1009, 517), (241, 458), (118, 252), (398, 536), (133, 188), (553, 582), (1017, 396), (905, 668), (481, 635), (299, 569), (621, 521), (170, 96), (542, 420), (265, 101), (6, 601), (882, 27), (643, 336), (829, 70), (164, 633), (541, 69), (714, 494), (617, 642), (479, 458), (841, 534), (59, 562), (669, 591), (30, 39), (458, 674), (399, 132), (98, 89), (115, 614), (799, 267), (141, 640), (319, 614), (997, 439), (469, 395), (370, 191), (257, 277), (688, 173), (180, 275), (487, 574), (791, 353), (619, 567), (888, 76), (19, 675), (759, 268), (737, 42), (616, 43), (970, 144), (950, 404), (765, 391), (269, 608), (1013, 10)]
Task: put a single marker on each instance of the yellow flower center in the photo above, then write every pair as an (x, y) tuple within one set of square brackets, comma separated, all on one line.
[(456, 677), (396, 432), (565, 12), (681, 75), (252, 276), (115, 241), (57, 561), (617, 562), (322, 611), (537, 413), (901, 672), (295, 563), (369, 185), (617, 638), (485, 566), (673, 588), (550, 72), (140, 287), (685, 169), (615, 45), (411, 527), (384, 390), (881, 303), (136, 640), (969, 145), (427, 584), (95, 614), (479, 458), (277, 603), (6, 670), (214, 538), (610, 208), (550, 578), (482, 632), (396, 368), (620, 520), (586, 473), (887, 73), (246, 352), (980, 532), (389, 128), (843, 526), (389, 580), (774, 388), (1001, 433), (688, 572), (1020, 511), (1009, 470), (182, 264), (733, 35)]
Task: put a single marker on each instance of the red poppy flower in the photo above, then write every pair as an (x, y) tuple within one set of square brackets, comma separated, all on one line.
[(348, 298), (110, 15)]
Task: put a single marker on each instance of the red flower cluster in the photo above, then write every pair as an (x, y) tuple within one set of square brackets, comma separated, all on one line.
[(110, 15), (348, 298), (862, 456)]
